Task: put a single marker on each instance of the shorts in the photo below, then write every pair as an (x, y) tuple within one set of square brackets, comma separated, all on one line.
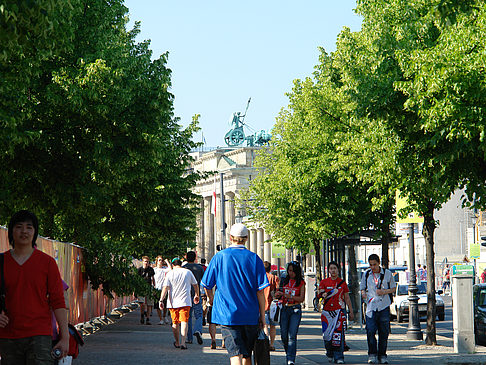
[(239, 340), (25, 350), (268, 320), (179, 315), (148, 300)]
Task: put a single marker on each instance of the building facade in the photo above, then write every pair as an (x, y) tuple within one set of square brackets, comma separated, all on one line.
[(235, 166)]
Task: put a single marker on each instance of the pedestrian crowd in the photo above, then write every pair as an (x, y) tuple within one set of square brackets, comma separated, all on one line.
[(235, 291)]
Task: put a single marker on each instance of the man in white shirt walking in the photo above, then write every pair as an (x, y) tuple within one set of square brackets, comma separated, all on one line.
[(377, 287), (177, 285)]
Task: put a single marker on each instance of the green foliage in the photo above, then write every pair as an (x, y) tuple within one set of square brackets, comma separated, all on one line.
[(102, 159)]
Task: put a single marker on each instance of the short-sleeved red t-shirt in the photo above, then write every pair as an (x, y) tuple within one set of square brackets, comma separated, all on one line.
[(336, 301)]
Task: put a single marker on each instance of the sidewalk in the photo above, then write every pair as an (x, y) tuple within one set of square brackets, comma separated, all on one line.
[(129, 342)]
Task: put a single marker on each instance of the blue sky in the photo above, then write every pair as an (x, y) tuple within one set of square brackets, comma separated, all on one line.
[(223, 52)]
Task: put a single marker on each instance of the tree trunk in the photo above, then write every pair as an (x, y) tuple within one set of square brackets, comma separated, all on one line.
[(353, 280), (317, 247), (385, 243), (428, 233)]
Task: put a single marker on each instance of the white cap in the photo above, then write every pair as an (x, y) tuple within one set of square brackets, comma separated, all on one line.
[(239, 230)]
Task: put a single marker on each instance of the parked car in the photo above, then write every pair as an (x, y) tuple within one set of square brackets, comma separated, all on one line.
[(479, 302), (400, 306)]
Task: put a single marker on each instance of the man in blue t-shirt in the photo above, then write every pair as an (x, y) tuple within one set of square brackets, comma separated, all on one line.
[(239, 302)]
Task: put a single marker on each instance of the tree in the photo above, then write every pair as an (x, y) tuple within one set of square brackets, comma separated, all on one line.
[(394, 78), (107, 163)]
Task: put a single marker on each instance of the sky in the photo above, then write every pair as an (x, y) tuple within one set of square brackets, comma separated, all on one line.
[(222, 53)]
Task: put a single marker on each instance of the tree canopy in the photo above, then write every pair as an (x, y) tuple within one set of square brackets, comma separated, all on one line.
[(94, 147), (398, 105)]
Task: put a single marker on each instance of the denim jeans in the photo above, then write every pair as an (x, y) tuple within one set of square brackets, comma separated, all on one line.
[(289, 326), (379, 321), (336, 354), (196, 313)]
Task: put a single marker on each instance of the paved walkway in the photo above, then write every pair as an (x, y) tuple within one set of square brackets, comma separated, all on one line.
[(128, 342)]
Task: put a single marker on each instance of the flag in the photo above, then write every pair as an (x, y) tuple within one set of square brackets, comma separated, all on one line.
[(213, 199)]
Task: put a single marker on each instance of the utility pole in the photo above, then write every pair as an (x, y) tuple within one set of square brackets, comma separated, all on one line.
[(223, 223)]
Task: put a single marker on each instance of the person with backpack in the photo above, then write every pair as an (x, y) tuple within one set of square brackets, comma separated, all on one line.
[(377, 287), (335, 293)]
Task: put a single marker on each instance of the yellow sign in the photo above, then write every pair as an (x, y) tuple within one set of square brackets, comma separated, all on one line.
[(474, 251), (278, 250), (412, 217)]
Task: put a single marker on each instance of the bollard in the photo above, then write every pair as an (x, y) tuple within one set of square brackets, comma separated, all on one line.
[(462, 313)]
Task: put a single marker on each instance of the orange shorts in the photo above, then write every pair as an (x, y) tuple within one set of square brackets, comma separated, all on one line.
[(180, 314)]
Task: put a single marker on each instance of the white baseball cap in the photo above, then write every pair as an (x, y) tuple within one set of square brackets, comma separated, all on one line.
[(239, 230)]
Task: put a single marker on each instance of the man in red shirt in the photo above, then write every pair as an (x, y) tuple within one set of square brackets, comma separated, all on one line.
[(269, 293), (33, 287)]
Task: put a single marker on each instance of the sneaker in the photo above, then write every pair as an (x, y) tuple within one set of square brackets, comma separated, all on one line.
[(148, 322), (213, 345), (330, 359), (372, 359), (189, 342), (340, 361), (166, 320), (383, 360), (198, 337), (161, 322)]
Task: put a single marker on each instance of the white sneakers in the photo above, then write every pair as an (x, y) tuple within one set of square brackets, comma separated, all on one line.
[(372, 359)]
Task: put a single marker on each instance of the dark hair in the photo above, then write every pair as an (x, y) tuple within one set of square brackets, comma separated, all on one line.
[(177, 262), (20, 217), (374, 257), (267, 266), (297, 271), (203, 261), (333, 263), (191, 256)]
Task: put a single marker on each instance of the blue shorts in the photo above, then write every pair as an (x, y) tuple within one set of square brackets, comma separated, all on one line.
[(268, 320), (239, 340)]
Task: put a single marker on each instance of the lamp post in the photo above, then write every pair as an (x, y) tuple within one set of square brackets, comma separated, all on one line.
[(414, 332)]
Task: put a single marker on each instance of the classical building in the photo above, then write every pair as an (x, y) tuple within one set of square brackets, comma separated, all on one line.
[(235, 165)]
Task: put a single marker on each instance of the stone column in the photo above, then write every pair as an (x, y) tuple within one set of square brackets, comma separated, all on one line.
[(208, 229), (229, 213), (217, 221), (201, 252), (254, 241), (260, 249), (267, 252), (288, 255), (248, 241)]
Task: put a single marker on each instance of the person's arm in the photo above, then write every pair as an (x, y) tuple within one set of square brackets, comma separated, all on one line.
[(162, 297), (196, 293), (347, 300), (62, 322), (261, 306), (210, 295)]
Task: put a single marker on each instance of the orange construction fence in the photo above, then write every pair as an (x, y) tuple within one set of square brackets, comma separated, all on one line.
[(84, 302)]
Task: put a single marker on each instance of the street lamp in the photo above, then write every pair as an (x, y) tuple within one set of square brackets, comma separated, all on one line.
[(239, 217), (414, 332)]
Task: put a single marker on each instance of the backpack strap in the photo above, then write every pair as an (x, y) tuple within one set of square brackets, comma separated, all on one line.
[(2, 283), (367, 275)]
